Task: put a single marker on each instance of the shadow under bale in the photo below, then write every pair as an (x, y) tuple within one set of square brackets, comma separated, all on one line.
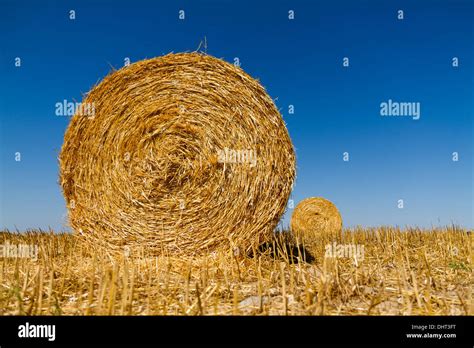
[(284, 247)]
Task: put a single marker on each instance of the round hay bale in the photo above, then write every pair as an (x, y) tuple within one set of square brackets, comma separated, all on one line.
[(183, 154), (315, 216)]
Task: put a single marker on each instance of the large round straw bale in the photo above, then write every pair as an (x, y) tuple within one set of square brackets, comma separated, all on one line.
[(315, 216), (183, 154)]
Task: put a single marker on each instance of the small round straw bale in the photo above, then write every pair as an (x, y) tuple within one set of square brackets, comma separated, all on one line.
[(315, 216), (183, 154)]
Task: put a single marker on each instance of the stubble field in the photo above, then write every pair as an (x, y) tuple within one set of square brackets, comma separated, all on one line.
[(398, 272)]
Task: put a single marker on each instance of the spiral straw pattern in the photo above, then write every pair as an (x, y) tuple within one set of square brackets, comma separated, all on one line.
[(183, 154), (315, 216)]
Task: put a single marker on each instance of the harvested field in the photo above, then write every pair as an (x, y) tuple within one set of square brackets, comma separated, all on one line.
[(401, 272)]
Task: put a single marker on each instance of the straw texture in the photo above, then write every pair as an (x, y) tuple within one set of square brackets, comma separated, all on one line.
[(315, 216), (148, 169)]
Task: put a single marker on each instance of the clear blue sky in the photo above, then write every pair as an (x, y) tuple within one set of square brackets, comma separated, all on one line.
[(299, 61)]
